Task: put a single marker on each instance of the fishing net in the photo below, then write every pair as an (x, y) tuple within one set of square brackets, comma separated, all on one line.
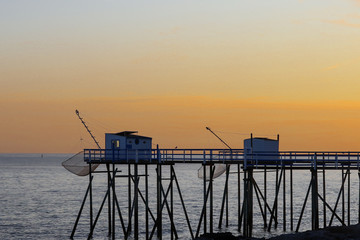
[(219, 169), (77, 165)]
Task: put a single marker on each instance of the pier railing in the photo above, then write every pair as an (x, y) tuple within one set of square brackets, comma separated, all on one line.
[(299, 159), (302, 159), (162, 155)]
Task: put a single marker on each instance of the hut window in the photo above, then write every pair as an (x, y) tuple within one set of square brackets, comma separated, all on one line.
[(116, 143)]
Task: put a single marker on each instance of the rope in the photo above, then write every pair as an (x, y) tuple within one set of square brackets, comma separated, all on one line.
[(247, 134)]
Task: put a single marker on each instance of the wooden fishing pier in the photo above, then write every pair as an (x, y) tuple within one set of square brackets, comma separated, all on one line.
[(255, 202)]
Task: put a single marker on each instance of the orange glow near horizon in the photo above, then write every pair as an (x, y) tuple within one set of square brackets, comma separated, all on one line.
[(181, 121)]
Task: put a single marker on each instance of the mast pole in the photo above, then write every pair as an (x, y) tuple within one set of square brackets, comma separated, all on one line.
[(207, 128), (82, 121)]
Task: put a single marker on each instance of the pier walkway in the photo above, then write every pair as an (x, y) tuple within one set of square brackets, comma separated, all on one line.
[(294, 159)]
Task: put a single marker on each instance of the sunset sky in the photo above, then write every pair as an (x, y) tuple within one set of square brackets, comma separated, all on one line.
[(170, 68)]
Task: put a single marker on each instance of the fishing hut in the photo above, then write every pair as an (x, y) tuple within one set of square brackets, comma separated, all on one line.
[(262, 179), (125, 146)]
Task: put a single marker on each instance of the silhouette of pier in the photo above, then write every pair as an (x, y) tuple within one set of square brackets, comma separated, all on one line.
[(253, 199)]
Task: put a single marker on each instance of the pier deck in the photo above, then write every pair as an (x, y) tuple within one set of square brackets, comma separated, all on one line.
[(293, 159)]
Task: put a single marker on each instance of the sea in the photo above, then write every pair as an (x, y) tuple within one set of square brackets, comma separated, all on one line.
[(39, 199)]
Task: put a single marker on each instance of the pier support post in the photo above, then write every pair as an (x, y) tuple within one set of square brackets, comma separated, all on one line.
[(348, 200), (343, 194), (284, 200), (265, 196), (171, 212), (359, 197), (146, 203), (90, 198), (291, 199), (81, 208), (277, 188), (205, 198), (136, 202), (129, 202), (159, 201), (109, 200), (212, 167), (324, 190), (227, 195), (113, 201), (225, 199), (248, 202), (314, 200), (239, 197)]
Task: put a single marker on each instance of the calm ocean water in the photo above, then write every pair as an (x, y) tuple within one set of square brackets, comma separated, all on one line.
[(39, 199)]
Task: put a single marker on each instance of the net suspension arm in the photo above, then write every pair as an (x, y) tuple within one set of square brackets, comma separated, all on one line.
[(88, 130)]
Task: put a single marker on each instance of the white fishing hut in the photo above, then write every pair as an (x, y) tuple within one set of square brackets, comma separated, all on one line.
[(127, 145), (261, 148)]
